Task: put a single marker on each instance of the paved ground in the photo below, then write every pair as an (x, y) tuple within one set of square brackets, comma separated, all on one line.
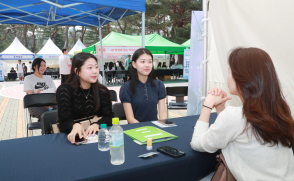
[(12, 124)]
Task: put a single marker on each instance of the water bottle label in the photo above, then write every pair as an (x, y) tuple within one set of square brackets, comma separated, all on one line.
[(117, 140)]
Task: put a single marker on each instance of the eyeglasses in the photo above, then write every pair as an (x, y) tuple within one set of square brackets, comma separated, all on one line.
[(146, 95)]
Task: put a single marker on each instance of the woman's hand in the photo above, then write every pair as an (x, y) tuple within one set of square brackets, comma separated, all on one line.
[(216, 98), (76, 129), (92, 129)]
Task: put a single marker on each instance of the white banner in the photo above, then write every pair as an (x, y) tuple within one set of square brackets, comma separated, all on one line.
[(17, 57), (49, 57), (122, 50), (186, 64), (195, 71)]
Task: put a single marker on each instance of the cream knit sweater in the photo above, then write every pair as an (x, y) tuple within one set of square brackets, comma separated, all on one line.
[(247, 159)]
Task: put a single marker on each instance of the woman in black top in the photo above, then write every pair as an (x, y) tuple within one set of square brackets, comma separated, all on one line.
[(83, 96)]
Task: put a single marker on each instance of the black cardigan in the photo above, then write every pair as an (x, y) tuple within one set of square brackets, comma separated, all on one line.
[(72, 105)]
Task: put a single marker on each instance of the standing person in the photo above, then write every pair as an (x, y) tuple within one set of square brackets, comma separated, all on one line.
[(31, 68), (83, 96), (127, 62), (25, 69), (143, 93), (172, 62), (256, 138), (64, 65), (36, 83), (20, 72)]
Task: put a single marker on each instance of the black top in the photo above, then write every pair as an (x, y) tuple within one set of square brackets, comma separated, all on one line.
[(72, 105), (144, 101)]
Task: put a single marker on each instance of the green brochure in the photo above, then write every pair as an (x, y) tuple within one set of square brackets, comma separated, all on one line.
[(141, 134)]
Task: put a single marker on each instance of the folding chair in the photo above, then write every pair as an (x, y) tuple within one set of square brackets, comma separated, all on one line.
[(47, 119), (36, 100), (179, 92), (118, 111), (113, 95)]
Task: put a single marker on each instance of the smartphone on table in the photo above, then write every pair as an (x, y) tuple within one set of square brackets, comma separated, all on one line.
[(79, 141), (170, 151), (166, 122)]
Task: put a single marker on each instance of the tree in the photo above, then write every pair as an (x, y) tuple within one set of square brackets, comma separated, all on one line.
[(66, 37)]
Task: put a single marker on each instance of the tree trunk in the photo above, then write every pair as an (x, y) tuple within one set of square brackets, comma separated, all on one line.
[(34, 39), (75, 34), (66, 37), (53, 34), (84, 29), (25, 35), (108, 31)]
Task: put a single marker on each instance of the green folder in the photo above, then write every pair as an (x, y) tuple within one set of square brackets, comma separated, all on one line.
[(141, 134)]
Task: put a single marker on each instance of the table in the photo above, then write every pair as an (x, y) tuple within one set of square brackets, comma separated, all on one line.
[(12, 76), (52, 157)]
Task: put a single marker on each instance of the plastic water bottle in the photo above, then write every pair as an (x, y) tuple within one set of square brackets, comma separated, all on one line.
[(103, 138), (117, 152)]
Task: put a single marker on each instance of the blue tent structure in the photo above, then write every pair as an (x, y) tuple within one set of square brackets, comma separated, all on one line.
[(49, 13), (67, 12)]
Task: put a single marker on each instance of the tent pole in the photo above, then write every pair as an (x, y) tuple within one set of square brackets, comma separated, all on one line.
[(165, 57), (205, 41), (100, 37), (143, 29)]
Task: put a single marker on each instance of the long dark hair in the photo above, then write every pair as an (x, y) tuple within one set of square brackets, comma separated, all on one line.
[(264, 104), (133, 72), (74, 79)]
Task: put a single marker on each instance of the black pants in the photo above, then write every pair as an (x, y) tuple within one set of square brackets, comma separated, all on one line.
[(64, 78)]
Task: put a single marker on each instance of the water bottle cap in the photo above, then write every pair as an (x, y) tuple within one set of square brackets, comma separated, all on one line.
[(115, 120), (103, 125)]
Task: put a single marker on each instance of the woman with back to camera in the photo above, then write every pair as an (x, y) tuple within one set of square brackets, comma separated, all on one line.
[(142, 93), (257, 138), (83, 96), (36, 83)]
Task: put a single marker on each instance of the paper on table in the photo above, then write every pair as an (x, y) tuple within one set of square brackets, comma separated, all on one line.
[(161, 125), (50, 90)]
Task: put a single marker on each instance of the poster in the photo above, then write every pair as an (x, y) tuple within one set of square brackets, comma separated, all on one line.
[(1, 71), (186, 64)]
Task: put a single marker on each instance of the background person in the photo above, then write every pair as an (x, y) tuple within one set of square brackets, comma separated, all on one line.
[(20, 72), (127, 62), (25, 69), (78, 98), (142, 93), (31, 68), (257, 138), (37, 82), (12, 70), (64, 65)]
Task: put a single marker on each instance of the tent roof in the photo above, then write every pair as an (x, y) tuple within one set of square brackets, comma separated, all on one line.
[(16, 47), (67, 12), (187, 43), (50, 48), (153, 42), (79, 46)]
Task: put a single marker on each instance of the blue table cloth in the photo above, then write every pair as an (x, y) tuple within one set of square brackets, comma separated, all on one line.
[(52, 157)]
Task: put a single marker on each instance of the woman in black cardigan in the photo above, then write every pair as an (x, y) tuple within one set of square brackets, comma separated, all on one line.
[(83, 96)]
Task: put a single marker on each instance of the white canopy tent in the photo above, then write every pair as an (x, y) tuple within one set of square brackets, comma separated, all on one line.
[(50, 53), (16, 51), (79, 46), (262, 24)]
